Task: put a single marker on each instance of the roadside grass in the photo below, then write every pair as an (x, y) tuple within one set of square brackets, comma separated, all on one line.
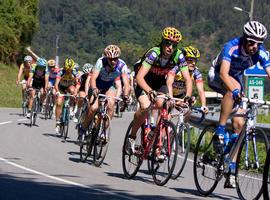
[(10, 94)]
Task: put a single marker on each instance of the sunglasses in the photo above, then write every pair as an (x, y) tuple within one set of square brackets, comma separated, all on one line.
[(169, 43), (113, 59), (191, 60), (252, 43)]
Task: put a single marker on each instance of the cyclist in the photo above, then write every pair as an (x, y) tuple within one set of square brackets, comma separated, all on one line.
[(53, 71), (24, 70), (37, 80), (158, 67), (225, 77), (66, 81), (192, 55), (84, 87), (105, 79)]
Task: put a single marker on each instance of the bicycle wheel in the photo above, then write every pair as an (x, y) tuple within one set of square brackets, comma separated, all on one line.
[(266, 177), (162, 168), (131, 162), (66, 124), (101, 142), (183, 137), (207, 166), (249, 173), (33, 113)]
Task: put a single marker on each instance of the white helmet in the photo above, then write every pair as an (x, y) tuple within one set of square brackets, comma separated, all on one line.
[(87, 68), (255, 31), (28, 58)]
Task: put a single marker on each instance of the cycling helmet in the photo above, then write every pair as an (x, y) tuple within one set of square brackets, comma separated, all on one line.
[(51, 63), (87, 68), (255, 31), (42, 62), (69, 64), (172, 34), (191, 52), (28, 58), (112, 51)]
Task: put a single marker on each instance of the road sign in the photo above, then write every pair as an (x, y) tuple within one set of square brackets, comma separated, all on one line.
[(255, 88)]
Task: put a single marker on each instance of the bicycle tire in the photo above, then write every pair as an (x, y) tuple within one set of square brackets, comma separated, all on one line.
[(162, 170), (249, 178), (86, 146), (206, 159), (183, 136), (131, 162), (101, 142), (33, 113), (266, 180), (66, 124)]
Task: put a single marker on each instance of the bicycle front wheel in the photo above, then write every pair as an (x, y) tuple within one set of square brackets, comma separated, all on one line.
[(207, 166), (266, 177), (183, 137), (164, 154), (101, 142), (131, 161), (249, 164)]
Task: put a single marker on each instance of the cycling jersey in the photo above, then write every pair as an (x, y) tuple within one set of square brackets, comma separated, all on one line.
[(179, 84), (26, 70), (67, 78), (233, 51), (106, 77), (160, 67), (39, 73), (53, 72)]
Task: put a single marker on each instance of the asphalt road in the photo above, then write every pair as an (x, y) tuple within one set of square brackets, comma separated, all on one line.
[(36, 164)]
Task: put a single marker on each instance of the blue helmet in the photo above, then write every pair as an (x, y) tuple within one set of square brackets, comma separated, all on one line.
[(41, 62)]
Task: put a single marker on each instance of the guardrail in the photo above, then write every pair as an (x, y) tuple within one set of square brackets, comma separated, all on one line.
[(213, 119)]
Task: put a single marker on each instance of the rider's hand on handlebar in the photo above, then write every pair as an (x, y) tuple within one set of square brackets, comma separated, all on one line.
[(126, 99), (236, 95), (95, 92), (152, 95), (205, 109), (57, 93)]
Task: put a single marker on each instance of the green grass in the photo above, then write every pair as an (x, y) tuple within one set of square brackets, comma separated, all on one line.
[(10, 94)]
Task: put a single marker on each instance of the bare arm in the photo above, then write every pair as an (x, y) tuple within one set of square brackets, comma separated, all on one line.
[(188, 82), (35, 56), (87, 83), (267, 70), (19, 74), (56, 85), (118, 86), (126, 84), (169, 81), (224, 75), (140, 79), (93, 79), (200, 89)]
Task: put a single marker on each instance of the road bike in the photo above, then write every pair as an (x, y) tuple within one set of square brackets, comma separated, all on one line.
[(184, 135), (65, 115), (158, 146), (35, 107), (48, 109), (98, 135), (250, 148), (25, 99)]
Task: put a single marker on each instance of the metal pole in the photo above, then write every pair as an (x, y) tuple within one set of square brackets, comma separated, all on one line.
[(57, 47), (251, 10)]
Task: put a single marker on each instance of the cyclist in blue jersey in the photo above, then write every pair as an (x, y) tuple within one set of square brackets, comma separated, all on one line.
[(225, 77), (154, 71), (105, 79)]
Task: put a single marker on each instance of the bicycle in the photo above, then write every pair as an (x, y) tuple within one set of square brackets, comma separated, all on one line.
[(209, 166), (65, 116), (35, 107), (184, 136), (48, 110), (149, 145), (25, 99), (98, 137), (266, 180)]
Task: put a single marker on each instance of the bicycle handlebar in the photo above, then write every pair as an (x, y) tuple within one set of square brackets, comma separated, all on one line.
[(110, 97)]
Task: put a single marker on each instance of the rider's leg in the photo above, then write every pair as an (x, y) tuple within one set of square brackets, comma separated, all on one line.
[(90, 113), (111, 102)]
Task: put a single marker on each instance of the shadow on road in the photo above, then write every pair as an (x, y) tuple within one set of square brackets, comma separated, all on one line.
[(13, 187), (18, 114)]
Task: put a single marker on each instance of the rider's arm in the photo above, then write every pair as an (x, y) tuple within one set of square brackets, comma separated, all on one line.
[(35, 56), (46, 81), (268, 71), (188, 81), (93, 79), (118, 86), (169, 82), (87, 83), (29, 81), (126, 84), (200, 89), (140, 78), (19, 74), (224, 75), (56, 85)]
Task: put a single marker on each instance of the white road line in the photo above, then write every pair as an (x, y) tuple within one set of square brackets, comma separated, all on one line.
[(19, 120), (64, 180), (8, 122)]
